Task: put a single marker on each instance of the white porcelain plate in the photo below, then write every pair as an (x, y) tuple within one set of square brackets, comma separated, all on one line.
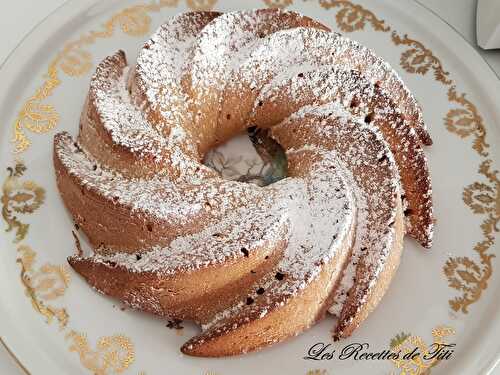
[(55, 324)]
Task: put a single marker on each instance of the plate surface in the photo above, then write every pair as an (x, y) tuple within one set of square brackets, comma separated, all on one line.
[(55, 324)]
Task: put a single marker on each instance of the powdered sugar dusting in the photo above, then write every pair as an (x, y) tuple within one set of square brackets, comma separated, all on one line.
[(217, 243), (290, 208), (314, 238), (161, 64), (374, 195), (227, 41), (365, 100), (176, 200), (340, 201), (371, 169), (124, 121)]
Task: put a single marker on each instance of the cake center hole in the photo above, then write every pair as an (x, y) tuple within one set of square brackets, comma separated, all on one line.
[(252, 157)]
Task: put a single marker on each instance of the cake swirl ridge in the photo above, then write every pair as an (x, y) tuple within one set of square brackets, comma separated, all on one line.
[(252, 265)]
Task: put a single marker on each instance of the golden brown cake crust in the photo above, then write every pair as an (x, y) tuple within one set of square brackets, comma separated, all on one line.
[(253, 265)]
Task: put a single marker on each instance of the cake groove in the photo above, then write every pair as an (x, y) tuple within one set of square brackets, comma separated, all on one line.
[(252, 265)]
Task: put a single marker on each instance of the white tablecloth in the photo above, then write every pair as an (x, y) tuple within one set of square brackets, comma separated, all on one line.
[(19, 17)]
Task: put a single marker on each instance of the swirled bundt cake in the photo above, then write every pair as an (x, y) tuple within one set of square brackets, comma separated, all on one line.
[(252, 265)]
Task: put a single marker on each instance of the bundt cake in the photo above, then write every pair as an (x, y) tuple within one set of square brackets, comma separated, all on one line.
[(252, 265)]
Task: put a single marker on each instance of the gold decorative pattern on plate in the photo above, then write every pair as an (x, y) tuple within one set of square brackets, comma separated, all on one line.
[(419, 59), (133, 21), (278, 3), (398, 339), (113, 354), (466, 121), (76, 63), (352, 17), (19, 197), (421, 364), (45, 284), (463, 273), (317, 372)]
